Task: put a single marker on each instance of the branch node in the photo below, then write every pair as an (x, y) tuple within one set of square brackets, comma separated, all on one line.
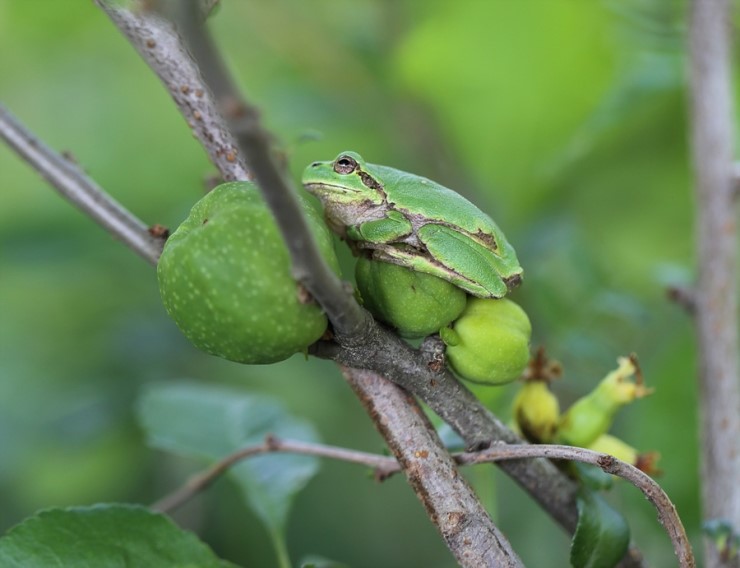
[(272, 442)]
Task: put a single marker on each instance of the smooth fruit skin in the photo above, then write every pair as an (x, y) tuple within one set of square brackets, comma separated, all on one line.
[(224, 277), (414, 303), (489, 343)]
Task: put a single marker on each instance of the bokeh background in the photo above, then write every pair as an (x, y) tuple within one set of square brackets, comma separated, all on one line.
[(564, 119)]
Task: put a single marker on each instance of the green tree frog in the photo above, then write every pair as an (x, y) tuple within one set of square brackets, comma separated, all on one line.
[(414, 222)]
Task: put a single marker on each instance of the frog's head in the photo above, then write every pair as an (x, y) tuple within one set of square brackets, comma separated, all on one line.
[(343, 181)]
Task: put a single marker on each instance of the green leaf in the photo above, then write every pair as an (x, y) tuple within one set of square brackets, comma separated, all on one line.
[(602, 535), (211, 422), (102, 536)]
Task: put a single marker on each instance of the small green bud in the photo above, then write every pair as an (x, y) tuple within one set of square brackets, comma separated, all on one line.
[(592, 415), (536, 409), (537, 412)]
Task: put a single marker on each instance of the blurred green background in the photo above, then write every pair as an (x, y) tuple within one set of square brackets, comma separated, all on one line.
[(564, 119)]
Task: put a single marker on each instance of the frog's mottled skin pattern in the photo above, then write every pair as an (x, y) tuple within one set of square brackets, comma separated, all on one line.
[(224, 277), (414, 222)]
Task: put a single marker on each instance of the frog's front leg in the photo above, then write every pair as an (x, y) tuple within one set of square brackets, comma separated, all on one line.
[(386, 230)]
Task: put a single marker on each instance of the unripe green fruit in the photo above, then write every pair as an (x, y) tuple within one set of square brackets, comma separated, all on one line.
[(489, 343), (224, 276), (414, 303), (537, 411)]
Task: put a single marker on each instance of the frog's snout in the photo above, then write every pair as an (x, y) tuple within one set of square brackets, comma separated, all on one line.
[(513, 281), (315, 165)]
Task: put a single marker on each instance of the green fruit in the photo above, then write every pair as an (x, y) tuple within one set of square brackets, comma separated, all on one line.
[(537, 411), (489, 343), (224, 276), (416, 304), (535, 408)]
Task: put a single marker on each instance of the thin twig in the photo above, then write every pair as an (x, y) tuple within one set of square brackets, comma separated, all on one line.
[(201, 481), (667, 514), (78, 188), (465, 526), (716, 291), (189, 17), (157, 42), (386, 466)]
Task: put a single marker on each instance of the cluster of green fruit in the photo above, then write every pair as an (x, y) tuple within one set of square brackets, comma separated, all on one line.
[(429, 262), (423, 250), (487, 339), (586, 423)]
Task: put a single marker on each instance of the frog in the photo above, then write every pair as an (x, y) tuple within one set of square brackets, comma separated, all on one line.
[(406, 219)]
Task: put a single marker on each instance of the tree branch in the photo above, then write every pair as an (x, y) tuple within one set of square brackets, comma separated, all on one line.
[(156, 40), (79, 189), (432, 473), (384, 353), (716, 292)]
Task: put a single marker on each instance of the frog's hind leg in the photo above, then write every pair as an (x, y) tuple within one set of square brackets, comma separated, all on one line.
[(465, 258), (416, 260)]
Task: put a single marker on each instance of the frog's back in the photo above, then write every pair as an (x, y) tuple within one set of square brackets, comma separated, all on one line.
[(418, 194)]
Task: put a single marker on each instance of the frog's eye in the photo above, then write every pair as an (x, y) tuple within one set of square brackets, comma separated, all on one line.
[(345, 165)]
